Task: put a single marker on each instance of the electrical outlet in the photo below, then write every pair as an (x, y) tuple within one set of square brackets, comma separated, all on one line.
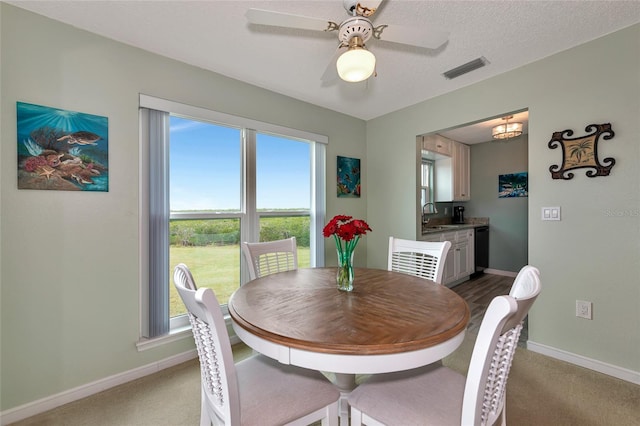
[(584, 309)]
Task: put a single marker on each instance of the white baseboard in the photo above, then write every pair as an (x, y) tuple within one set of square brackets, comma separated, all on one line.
[(48, 403), (36, 407), (499, 272), (592, 364)]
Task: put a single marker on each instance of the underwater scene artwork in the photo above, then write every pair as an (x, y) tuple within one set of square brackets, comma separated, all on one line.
[(62, 150), (348, 177)]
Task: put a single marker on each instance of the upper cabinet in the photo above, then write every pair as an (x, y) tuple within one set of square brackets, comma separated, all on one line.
[(452, 167), (461, 172), (437, 144)]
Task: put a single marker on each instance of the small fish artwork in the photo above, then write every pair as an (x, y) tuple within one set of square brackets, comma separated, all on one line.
[(348, 177), (62, 150)]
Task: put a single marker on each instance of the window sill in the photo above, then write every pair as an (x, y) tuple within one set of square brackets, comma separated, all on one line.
[(180, 333), (175, 335)]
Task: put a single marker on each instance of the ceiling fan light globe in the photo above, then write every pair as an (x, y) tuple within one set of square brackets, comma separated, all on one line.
[(356, 65)]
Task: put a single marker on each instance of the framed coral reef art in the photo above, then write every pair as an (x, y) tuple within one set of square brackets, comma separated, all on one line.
[(582, 152), (62, 150), (348, 177)]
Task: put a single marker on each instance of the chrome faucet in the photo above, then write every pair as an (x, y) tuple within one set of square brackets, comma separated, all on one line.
[(425, 219)]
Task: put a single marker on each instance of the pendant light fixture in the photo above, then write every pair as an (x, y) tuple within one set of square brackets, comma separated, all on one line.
[(357, 63), (507, 130)]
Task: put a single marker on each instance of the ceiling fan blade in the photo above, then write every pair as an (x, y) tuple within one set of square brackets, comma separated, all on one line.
[(331, 73), (279, 19), (424, 37)]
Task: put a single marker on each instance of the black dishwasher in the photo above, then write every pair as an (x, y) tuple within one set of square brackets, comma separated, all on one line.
[(481, 248)]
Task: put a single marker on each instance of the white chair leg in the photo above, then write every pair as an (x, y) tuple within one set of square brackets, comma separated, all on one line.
[(356, 417), (204, 413), (331, 417)]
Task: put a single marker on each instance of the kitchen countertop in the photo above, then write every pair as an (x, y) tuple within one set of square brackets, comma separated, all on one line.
[(442, 226)]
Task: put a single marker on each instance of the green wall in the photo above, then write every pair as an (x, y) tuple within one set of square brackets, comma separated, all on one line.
[(508, 216), (70, 266), (592, 253)]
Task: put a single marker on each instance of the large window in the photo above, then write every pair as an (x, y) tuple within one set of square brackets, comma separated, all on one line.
[(213, 181)]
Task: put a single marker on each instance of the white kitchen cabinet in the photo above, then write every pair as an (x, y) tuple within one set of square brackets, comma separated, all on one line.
[(464, 254), (459, 264), (435, 237), (461, 172), (449, 273), (443, 173), (437, 144), (452, 174)]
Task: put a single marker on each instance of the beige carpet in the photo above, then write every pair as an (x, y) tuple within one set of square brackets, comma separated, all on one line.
[(541, 391), (546, 391)]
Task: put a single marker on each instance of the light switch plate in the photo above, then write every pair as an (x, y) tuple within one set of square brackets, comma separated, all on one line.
[(550, 213)]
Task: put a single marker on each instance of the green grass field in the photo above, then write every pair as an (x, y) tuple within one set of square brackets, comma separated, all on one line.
[(217, 267)]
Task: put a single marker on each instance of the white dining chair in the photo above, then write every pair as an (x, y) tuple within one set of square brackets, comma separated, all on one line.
[(257, 390), (527, 280), (437, 395), (270, 257), (423, 259)]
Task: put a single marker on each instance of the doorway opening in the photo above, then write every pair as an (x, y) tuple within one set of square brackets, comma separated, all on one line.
[(490, 160)]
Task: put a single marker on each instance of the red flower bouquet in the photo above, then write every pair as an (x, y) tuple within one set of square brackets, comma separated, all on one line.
[(346, 232)]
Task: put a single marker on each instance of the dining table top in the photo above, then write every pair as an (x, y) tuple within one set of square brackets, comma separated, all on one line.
[(386, 313)]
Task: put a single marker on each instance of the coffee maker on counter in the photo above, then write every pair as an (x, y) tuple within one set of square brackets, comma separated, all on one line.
[(458, 214)]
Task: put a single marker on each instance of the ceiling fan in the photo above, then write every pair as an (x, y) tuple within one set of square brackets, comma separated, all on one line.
[(354, 62)]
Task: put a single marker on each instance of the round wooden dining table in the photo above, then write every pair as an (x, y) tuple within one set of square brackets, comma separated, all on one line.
[(389, 322)]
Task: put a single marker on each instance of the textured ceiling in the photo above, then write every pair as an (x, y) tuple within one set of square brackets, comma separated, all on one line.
[(482, 131), (215, 35)]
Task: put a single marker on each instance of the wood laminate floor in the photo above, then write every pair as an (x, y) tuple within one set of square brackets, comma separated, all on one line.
[(479, 291)]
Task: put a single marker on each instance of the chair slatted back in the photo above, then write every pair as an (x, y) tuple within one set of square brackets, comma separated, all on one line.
[(424, 259), (217, 368), (270, 257), (492, 357)]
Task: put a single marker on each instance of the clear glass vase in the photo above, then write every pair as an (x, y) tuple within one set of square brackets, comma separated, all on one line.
[(344, 277)]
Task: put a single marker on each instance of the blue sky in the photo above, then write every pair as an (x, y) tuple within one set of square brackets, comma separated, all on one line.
[(206, 166)]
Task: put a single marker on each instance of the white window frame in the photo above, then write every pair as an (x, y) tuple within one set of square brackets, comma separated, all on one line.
[(248, 233), (427, 192)]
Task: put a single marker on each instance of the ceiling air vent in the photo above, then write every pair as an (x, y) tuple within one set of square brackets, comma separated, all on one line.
[(465, 68)]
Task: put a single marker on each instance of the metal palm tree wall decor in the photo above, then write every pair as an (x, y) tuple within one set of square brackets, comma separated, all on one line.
[(582, 152)]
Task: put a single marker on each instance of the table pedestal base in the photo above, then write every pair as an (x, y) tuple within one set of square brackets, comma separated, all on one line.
[(345, 383)]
